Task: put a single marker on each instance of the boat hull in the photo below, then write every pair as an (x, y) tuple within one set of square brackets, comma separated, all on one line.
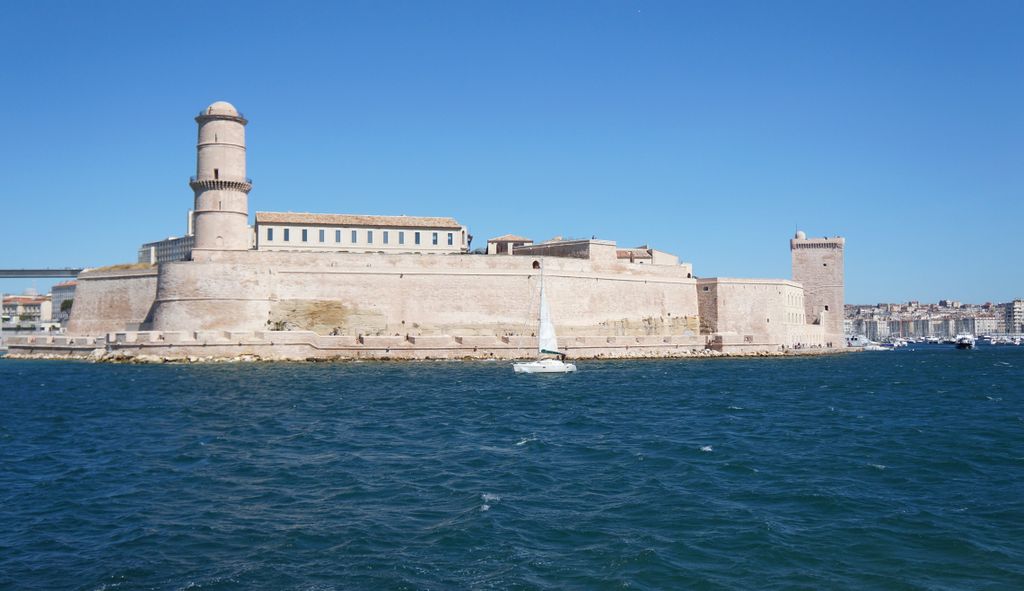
[(964, 341), (543, 366)]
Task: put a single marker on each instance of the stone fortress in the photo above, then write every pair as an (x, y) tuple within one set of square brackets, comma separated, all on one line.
[(324, 286)]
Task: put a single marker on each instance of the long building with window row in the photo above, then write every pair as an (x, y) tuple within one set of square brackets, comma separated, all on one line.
[(322, 232)]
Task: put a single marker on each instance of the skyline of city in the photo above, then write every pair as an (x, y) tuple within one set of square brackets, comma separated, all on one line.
[(710, 132)]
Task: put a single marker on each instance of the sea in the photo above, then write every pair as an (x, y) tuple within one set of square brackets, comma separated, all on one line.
[(889, 470)]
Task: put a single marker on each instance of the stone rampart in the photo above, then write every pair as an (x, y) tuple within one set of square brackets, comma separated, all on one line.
[(371, 305), (755, 314), (350, 294), (112, 300)]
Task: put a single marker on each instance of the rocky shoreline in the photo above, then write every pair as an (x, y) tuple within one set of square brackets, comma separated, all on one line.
[(115, 356)]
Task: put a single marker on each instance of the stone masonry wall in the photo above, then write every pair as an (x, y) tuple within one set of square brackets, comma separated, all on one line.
[(818, 266), (374, 294), (108, 301), (755, 312)]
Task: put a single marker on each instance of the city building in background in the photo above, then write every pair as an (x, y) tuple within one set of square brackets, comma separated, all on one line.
[(174, 248), (946, 319), (28, 310), (1015, 316), (59, 294)]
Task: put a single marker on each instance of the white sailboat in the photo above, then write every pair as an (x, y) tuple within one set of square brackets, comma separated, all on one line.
[(547, 344)]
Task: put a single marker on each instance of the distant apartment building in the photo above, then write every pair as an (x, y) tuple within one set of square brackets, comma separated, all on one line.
[(978, 325), (167, 250), (319, 232), (1015, 316), (174, 248), (874, 329), (944, 327), (60, 293), (26, 309)]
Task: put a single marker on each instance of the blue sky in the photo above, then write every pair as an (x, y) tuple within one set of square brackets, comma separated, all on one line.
[(707, 129)]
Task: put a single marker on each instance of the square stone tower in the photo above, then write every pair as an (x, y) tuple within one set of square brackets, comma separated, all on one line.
[(818, 266)]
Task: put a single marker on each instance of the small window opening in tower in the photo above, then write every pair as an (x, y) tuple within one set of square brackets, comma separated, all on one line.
[(536, 264), (826, 308), (216, 173)]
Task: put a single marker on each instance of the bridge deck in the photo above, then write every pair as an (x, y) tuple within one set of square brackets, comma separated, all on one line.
[(20, 273)]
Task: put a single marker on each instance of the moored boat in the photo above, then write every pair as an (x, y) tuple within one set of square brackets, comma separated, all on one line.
[(965, 341)]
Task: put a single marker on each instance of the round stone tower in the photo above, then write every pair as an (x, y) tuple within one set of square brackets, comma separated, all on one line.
[(220, 184)]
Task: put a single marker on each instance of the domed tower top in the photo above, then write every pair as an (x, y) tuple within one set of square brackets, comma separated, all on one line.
[(221, 110), (800, 235)]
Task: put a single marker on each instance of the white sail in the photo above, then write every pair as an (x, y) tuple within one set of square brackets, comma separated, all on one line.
[(548, 342)]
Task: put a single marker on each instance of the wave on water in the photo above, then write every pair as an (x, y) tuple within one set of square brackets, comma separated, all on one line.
[(707, 448), (487, 499)]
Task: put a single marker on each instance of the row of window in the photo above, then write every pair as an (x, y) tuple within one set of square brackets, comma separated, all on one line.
[(385, 236)]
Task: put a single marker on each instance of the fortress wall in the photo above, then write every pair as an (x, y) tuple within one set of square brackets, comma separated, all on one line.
[(394, 294), (212, 296), (108, 301), (760, 311), (813, 335)]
